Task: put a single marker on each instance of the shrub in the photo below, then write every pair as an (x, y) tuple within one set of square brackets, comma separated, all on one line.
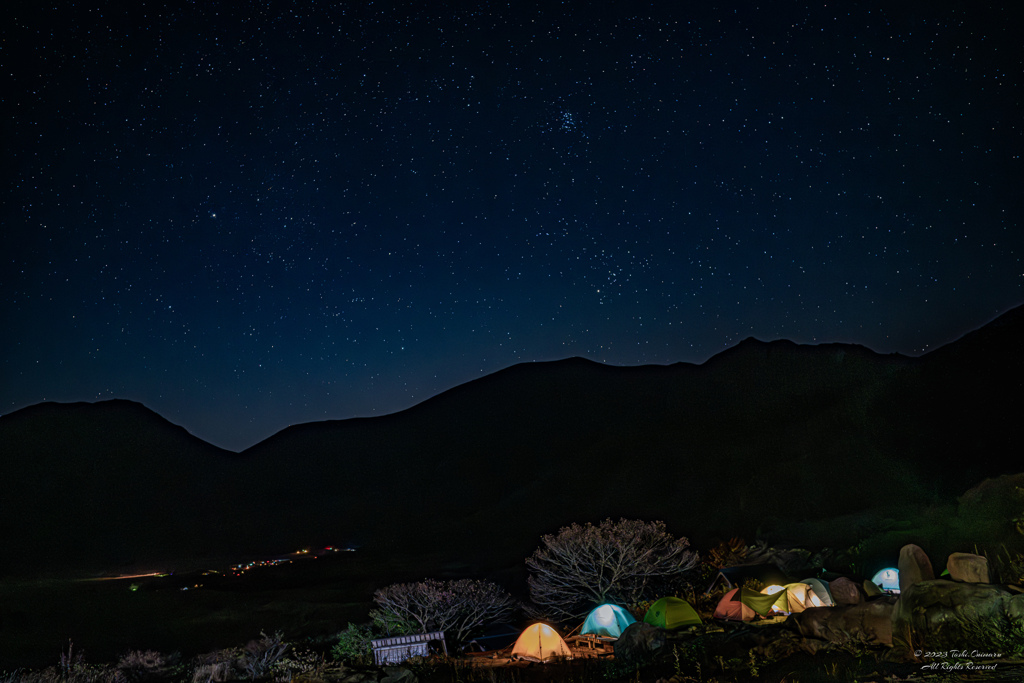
[(354, 645), (621, 562), (305, 663), (260, 655), (221, 665), (141, 666), (1003, 634), (1009, 568), (727, 554)]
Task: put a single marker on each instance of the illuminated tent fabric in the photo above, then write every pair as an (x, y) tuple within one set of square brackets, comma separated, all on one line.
[(888, 580), (671, 613), (793, 597), (732, 608), (820, 591), (539, 643), (607, 620), (761, 603)]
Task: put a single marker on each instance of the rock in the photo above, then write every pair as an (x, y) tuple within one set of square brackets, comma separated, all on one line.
[(358, 677), (914, 566), (968, 567), (869, 623), (951, 614), (844, 592), (640, 642), (397, 674)]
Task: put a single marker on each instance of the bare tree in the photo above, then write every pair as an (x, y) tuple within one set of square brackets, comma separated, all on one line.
[(261, 654), (620, 562), (456, 607)]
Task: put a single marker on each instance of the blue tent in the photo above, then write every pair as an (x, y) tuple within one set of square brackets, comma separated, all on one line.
[(888, 580), (607, 620)]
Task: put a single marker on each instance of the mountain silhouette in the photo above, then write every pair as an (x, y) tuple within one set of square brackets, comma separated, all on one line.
[(765, 438)]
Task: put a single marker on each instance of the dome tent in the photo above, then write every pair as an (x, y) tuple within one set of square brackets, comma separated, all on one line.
[(820, 591), (732, 608), (671, 613), (887, 579), (793, 597), (607, 620), (540, 643)]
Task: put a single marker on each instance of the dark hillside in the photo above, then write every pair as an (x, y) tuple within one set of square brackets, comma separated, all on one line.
[(107, 483), (711, 449), (763, 438), (972, 399)]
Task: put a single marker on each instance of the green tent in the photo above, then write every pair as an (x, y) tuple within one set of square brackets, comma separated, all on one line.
[(763, 603), (671, 613)]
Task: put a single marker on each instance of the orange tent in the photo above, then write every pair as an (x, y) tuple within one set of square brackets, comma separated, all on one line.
[(539, 643), (730, 607)]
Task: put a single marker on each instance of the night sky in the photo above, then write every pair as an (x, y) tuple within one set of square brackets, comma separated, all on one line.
[(251, 215)]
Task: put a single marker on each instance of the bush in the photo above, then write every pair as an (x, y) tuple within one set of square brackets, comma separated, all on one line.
[(354, 645), (304, 663), (141, 666), (260, 655), (221, 665), (621, 562), (1003, 634), (1008, 568)]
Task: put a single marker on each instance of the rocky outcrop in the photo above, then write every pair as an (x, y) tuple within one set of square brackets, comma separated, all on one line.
[(396, 674), (868, 623), (952, 614), (640, 642)]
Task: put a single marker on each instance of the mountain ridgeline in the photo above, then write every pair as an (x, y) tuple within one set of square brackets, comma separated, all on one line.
[(798, 444)]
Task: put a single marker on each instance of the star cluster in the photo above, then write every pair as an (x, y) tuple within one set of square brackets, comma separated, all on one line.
[(248, 215)]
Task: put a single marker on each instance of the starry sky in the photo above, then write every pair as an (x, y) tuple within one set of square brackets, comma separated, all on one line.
[(251, 215)]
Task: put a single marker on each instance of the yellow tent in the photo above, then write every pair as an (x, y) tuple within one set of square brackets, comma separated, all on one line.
[(793, 597), (539, 643)]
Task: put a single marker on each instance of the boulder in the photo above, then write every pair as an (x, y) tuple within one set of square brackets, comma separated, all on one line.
[(844, 591), (868, 623), (968, 567), (950, 614), (640, 642), (398, 674), (914, 566), (351, 676)]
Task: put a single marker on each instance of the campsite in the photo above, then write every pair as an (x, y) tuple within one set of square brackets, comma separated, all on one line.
[(723, 623)]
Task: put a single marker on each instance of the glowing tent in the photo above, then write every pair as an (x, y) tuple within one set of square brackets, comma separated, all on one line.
[(607, 620), (732, 608), (820, 596), (793, 597), (671, 613), (540, 643), (888, 580)]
